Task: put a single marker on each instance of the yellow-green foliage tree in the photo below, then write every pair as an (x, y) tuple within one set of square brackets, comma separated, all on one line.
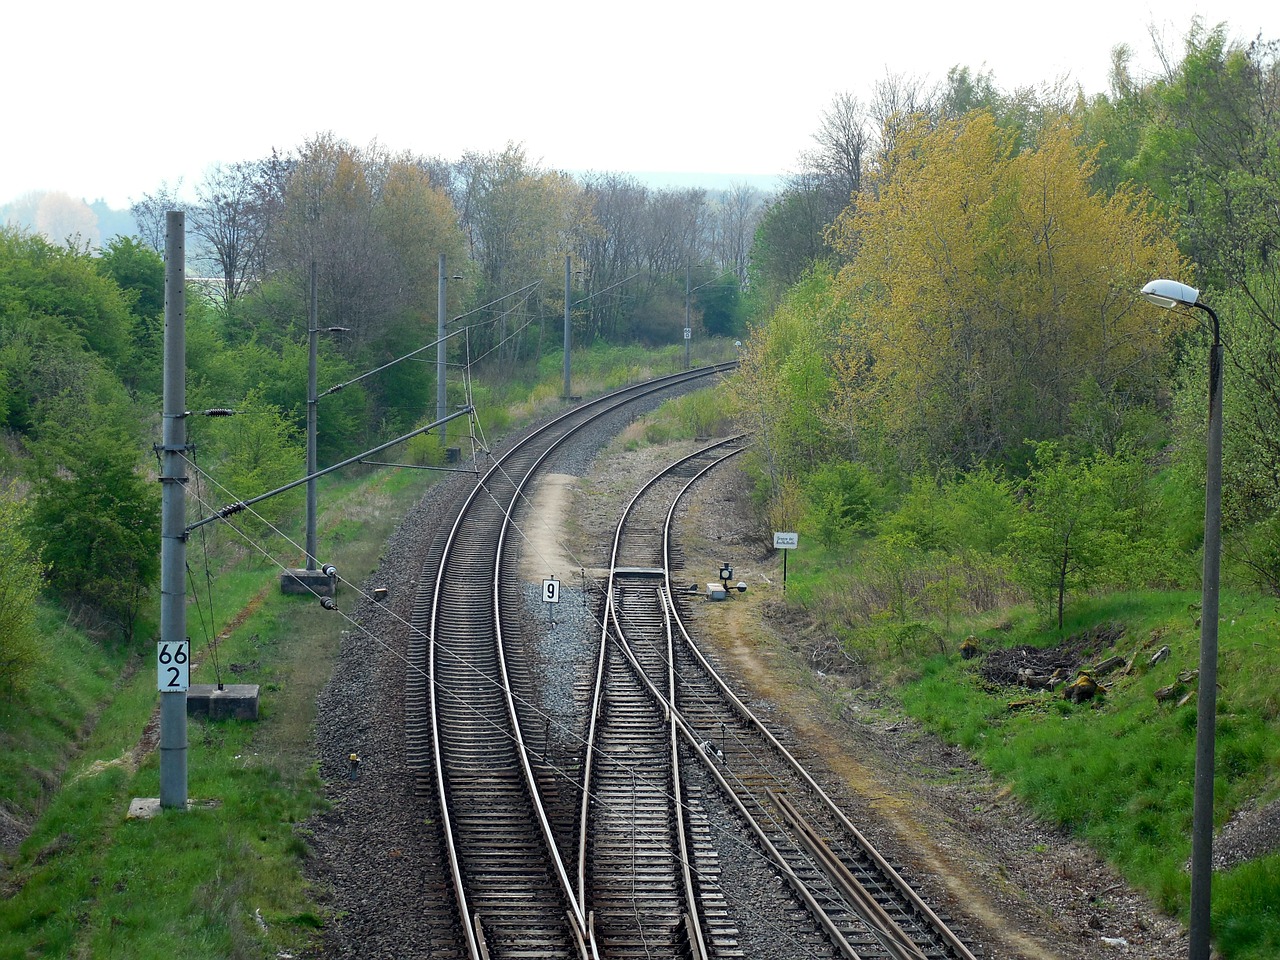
[(986, 287), (785, 381)]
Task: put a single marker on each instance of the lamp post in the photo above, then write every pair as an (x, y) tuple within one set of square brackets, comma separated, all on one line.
[(1170, 293)]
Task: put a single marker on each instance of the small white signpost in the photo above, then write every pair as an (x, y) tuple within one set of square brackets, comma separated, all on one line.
[(785, 542), (173, 666), (551, 594)]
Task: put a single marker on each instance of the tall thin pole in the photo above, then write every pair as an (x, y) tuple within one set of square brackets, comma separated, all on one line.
[(688, 332), (1207, 695), (568, 332), (173, 507), (313, 339), (441, 353)]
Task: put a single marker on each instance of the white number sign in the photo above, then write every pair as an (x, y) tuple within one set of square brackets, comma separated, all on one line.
[(550, 591), (173, 666), (688, 333)]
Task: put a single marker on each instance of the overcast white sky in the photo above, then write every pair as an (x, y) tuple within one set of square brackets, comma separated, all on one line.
[(107, 100)]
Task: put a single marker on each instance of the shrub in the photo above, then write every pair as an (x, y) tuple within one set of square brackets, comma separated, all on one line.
[(95, 516), (19, 590)]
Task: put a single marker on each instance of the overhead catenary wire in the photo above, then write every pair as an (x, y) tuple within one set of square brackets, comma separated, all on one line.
[(527, 290), (524, 704), (223, 512), (211, 628), (728, 836)]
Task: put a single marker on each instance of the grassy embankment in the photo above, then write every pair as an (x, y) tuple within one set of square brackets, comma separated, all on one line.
[(1116, 771), (226, 880)]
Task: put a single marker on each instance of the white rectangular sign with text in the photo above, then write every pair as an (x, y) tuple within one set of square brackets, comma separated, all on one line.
[(173, 666)]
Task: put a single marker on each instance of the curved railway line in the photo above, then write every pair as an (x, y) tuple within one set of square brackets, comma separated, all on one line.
[(862, 904), (512, 894), (615, 854)]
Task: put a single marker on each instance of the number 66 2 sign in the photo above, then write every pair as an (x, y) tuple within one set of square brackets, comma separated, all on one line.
[(173, 665)]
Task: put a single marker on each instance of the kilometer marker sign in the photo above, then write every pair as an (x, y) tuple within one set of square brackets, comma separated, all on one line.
[(173, 666)]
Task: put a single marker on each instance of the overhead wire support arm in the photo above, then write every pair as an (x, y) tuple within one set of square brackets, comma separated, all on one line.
[(234, 508), (390, 363), (605, 289)]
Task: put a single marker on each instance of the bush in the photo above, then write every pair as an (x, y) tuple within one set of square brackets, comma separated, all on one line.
[(841, 501), (1256, 551), (19, 590), (96, 518), (425, 450)]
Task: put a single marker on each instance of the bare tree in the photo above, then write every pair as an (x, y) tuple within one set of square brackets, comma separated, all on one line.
[(610, 244), (736, 215), (227, 219), (149, 213), (844, 139), (898, 97)]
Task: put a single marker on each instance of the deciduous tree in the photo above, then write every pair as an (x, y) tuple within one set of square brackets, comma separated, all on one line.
[(229, 221), (986, 286)]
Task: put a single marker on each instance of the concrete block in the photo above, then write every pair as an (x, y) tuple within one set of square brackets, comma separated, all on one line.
[(311, 582), (235, 701)]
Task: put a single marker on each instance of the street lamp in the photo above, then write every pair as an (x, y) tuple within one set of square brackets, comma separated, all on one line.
[(1170, 293)]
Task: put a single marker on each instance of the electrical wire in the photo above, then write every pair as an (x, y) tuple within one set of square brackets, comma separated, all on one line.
[(500, 730)]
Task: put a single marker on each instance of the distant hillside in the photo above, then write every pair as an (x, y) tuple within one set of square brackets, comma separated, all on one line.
[(60, 217), (765, 183)]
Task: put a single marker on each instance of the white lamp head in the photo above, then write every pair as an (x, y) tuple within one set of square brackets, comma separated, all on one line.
[(1171, 293)]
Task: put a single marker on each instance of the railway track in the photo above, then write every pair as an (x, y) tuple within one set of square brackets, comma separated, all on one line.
[(615, 850), (511, 890), (860, 904), (634, 793)]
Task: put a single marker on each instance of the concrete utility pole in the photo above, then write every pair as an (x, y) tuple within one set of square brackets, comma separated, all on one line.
[(173, 510), (688, 331), (568, 338), (442, 400), (313, 339)]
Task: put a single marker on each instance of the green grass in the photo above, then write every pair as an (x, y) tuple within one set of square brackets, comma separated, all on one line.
[(227, 880), (75, 677), (1118, 771)]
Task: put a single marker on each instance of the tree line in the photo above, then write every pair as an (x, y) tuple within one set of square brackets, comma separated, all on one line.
[(945, 285), (374, 222), (949, 289), (81, 334)]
